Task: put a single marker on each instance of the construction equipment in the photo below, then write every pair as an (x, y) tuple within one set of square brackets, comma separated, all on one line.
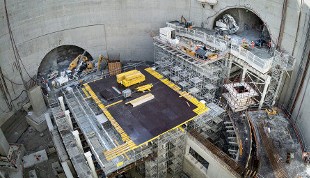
[(101, 58), (168, 35), (75, 62), (186, 23), (227, 25), (271, 111), (81, 63), (188, 51), (212, 56), (127, 93), (114, 66), (130, 78), (143, 88)]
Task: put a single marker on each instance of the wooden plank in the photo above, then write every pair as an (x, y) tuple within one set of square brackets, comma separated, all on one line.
[(141, 100)]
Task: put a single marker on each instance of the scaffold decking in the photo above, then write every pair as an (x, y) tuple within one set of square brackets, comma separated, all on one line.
[(169, 110)]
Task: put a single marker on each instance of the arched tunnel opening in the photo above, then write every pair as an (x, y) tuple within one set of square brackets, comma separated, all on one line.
[(59, 58), (58, 63), (242, 24)]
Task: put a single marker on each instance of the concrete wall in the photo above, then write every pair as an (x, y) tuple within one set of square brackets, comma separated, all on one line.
[(270, 11), (125, 27), (193, 168), (302, 112), (119, 26)]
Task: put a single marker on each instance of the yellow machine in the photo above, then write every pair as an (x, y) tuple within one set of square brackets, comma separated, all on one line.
[(90, 66), (245, 45), (271, 112), (102, 58), (76, 61), (79, 60), (212, 56), (143, 88), (130, 78), (188, 51)]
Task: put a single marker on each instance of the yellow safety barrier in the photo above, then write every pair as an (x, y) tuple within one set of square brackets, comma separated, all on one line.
[(201, 108), (119, 150), (115, 103), (85, 92)]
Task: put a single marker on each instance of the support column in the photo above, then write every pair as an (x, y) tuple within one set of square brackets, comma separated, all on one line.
[(267, 82), (91, 163), (49, 122), (4, 145), (68, 118), (277, 90), (229, 64), (67, 169), (245, 69), (62, 104), (77, 139)]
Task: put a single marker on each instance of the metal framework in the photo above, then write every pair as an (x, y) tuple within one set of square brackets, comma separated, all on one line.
[(201, 79), (205, 79)]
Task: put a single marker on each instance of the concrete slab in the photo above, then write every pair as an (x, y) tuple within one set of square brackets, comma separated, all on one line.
[(36, 100), (35, 158), (37, 122)]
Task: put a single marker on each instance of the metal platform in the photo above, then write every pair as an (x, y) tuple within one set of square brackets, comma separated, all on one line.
[(152, 118)]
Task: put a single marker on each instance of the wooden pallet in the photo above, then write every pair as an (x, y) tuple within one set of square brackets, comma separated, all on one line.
[(114, 68)]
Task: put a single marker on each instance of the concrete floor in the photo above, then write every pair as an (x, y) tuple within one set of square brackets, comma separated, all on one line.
[(252, 35), (34, 141), (294, 169)]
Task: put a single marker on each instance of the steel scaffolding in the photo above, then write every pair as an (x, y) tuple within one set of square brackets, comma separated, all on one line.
[(201, 79), (169, 148)]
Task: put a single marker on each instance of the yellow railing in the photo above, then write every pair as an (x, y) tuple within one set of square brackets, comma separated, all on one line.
[(201, 108), (117, 127)]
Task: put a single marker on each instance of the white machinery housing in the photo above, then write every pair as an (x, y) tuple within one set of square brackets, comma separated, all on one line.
[(168, 34)]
